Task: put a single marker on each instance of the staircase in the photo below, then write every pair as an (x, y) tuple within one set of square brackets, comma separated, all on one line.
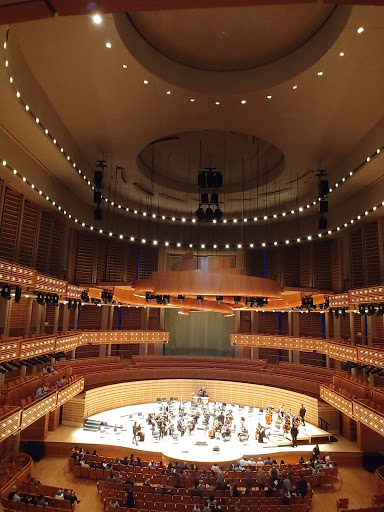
[(92, 425)]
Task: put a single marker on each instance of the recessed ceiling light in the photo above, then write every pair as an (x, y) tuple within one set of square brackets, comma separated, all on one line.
[(269, 97), (146, 82), (341, 54), (243, 102), (294, 87), (217, 102), (168, 92), (108, 45), (97, 19), (360, 30), (320, 73), (125, 66), (192, 100)]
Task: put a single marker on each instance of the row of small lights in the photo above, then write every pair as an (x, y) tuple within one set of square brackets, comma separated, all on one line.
[(179, 244), (298, 210)]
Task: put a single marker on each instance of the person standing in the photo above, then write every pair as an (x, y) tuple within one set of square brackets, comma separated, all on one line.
[(302, 414), (294, 433), (134, 433)]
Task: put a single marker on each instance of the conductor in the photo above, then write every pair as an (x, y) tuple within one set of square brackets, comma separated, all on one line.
[(302, 414), (202, 392)]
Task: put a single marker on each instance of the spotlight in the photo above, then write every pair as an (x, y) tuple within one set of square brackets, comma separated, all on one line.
[(69, 305), (166, 299), (249, 301), (40, 298), (219, 299), (236, 300), (214, 198), (200, 299), (330, 311), (181, 298), (84, 296), (6, 292), (337, 314), (343, 313), (217, 214), (209, 213), (200, 213), (48, 299), (17, 294), (361, 309), (380, 309), (371, 310), (148, 297), (204, 198)]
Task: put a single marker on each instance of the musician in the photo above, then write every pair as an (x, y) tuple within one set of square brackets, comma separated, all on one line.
[(280, 412), (134, 433), (294, 434), (220, 418), (302, 414), (260, 432), (201, 392)]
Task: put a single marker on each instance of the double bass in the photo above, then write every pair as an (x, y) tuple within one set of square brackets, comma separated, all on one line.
[(269, 417), (287, 425)]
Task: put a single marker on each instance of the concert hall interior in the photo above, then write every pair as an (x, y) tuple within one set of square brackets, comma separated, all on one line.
[(192, 255)]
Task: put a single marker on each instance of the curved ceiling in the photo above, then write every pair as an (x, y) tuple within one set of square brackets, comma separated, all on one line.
[(230, 39), (108, 105)]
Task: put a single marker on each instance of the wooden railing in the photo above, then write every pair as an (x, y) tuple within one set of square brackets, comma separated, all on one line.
[(336, 349), (16, 468), (25, 348)]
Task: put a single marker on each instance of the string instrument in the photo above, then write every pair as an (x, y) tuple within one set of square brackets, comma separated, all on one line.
[(278, 420), (211, 433), (269, 417), (287, 425)]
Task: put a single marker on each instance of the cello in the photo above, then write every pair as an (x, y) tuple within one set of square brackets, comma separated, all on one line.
[(269, 417)]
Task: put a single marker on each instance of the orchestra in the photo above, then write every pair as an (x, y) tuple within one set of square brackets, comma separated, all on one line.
[(217, 422)]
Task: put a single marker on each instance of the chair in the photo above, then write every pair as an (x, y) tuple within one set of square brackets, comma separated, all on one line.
[(342, 504), (84, 472), (76, 472)]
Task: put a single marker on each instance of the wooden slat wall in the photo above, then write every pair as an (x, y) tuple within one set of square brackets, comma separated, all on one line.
[(291, 266), (44, 243), (90, 317), (101, 259), (86, 249), (379, 330), (322, 264), (256, 263), (55, 257), (72, 256), (154, 319), (115, 321), (10, 224), (125, 350), (357, 327), (114, 261), (335, 266), (148, 261), (245, 321), (271, 355), (312, 358), (305, 275), (310, 324), (18, 317), (345, 330), (131, 262), (372, 253), (85, 351), (28, 238), (273, 264), (130, 318), (284, 323), (49, 318), (357, 262), (268, 323)]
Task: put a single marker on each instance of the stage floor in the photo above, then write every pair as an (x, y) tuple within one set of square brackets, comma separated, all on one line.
[(185, 448)]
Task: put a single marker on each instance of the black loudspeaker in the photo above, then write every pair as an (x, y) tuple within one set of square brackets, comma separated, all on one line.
[(35, 449), (217, 180), (98, 212), (323, 208), (372, 460), (214, 198), (202, 179), (204, 199), (98, 179), (323, 223), (323, 188), (97, 196)]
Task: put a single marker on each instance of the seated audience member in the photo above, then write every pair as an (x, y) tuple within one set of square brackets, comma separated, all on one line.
[(268, 462), (196, 508), (161, 466), (40, 392), (59, 495), (41, 501), (14, 494), (152, 464), (114, 503), (59, 383), (301, 460), (71, 497), (111, 478), (95, 453)]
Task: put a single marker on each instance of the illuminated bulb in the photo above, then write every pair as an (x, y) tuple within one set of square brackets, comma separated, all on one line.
[(292, 212), (338, 228), (14, 171), (26, 107), (54, 141), (265, 217), (183, 219), (68, 157), (4, 162), (125, 66), (25, 179), (178, 244), (167, 243), (239, 246), (17, 94), (225, 221), (235, 220), (168, 92), (329, 232), (274, 243), (243, 102), (217, 102), (192, 100), (146, 82), (214, 221), (358, 217), (190, 245), (108, 45), (155, 242), (163, 217), (298, 239), (294, 87), (287, 241), (203, 246), (319, 235), (269, 97), (377, 151), (173, 218), (360, 30), (11, 79), (341, 54), (251, 246), (275, 216), (97, 19), (245, 220), (226, 246), (143, 240), (374, 208), (135, 211), (320, 73), (366, 213), (263, 244), (153, 215), (144, 213), (368, 159), (193, 220)]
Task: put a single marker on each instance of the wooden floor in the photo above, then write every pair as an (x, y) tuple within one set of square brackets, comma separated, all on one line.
[(355, 483)]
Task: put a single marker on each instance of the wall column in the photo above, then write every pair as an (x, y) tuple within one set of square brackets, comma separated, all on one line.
[(35, 318), (363, 330), (65, 313), (28, 317), (162, 319), (295, 356), (372, 328), (56, 319), (75, 319), (5, 316), (104, 315), (42, 319), (144, 321), (368, 440), (336, 328), (255, 329)]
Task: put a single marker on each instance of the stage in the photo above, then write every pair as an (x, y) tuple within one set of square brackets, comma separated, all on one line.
[(196, 447)]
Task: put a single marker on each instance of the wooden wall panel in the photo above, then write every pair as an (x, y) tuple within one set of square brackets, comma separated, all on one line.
[(345, 330), (245, 321), (18, 317), (86, 351), (256, 263), (28, 234), (357, 262), (335, 266), (379, 330), (101, 259), (114, 261), (291, 266), (90, 317), (130, 318), (72, 256), (284, 323), (131, 262), (49, 319), (44, 243), (125, 350), (372, 253), (305, 263), (147, 261), (273, 264), (10, 224), (312, 358), (322, 265), (55, 256), (271, 355), (268, 323), (310, 324), (86, 250), (154, 319)]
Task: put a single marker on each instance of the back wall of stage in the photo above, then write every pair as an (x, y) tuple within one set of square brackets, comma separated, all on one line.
[(105, 398)]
